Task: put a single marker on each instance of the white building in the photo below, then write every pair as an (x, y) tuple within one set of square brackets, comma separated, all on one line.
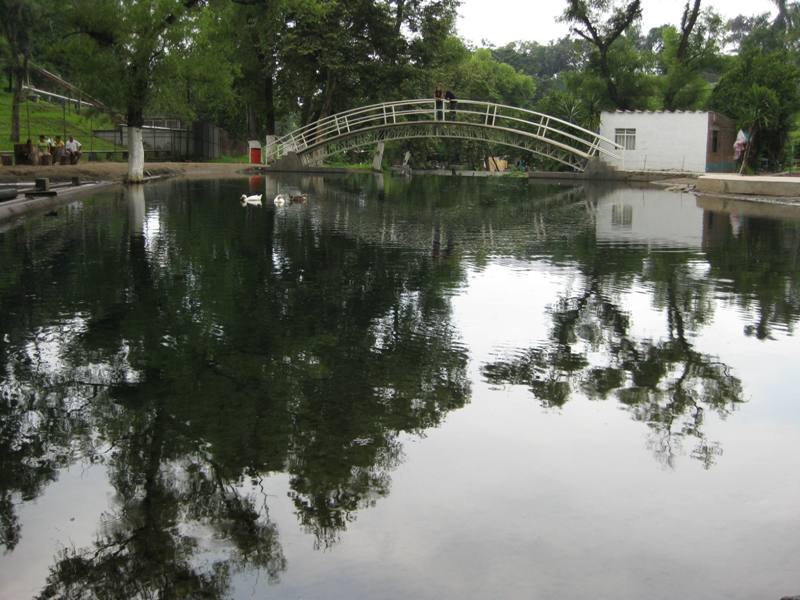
[(688, 142)]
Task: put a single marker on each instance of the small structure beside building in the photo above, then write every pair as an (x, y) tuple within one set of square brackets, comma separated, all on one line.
[(680, 141)]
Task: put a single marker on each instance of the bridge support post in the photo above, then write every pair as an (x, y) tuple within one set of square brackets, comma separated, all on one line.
[(313, 158), (377, 159)]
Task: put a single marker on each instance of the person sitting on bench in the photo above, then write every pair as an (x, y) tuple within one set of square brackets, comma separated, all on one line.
[(58, 150), (45, 158), (73, 148)]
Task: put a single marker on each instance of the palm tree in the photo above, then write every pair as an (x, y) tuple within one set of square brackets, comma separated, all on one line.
[(761, 109)]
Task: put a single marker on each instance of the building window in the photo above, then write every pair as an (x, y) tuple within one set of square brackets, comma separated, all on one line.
[(715, 141), (625, 138)]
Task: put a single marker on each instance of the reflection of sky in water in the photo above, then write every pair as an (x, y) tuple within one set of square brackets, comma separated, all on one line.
[(505, 498), (152, 231)]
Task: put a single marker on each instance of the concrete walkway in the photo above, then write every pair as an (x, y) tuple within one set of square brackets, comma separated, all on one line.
[(744, 185), (9, 209)]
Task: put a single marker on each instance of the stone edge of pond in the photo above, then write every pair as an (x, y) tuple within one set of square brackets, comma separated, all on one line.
[(758, 186), (753, 206), (11, 209)]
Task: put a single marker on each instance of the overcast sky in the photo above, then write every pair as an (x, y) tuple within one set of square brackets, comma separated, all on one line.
[(503, 21)]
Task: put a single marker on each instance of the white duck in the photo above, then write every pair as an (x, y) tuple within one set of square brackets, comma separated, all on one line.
[(280, 200), (255, 200)]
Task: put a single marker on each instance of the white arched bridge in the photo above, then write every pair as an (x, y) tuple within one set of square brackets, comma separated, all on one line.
[(527, 130)]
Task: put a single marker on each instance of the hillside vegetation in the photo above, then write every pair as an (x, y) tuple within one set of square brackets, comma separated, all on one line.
[(50, 119)]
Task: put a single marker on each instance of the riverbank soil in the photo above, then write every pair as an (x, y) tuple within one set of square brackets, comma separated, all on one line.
[(116, 171)]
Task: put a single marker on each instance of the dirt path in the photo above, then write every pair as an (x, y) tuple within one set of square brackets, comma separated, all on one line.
[(114, 171)]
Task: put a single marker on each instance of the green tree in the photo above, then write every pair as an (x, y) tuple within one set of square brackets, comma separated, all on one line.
[(666, 384), (130, 45), (579, 99), (20, 26), (546, 63), (301, 60), (250, 386), (482, 77), (601, 23), (686, 56), (759, 90), (192, 84)]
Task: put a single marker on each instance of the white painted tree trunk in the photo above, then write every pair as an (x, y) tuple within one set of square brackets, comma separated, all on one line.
[(377, 159), (135, 155)]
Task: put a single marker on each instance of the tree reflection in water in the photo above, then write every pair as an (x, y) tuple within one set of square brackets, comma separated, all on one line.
[(758, 256), (207, 360), (213, 347), (667, 383)]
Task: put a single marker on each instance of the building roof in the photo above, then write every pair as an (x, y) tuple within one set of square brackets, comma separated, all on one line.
[(717, 115), (660, 112)]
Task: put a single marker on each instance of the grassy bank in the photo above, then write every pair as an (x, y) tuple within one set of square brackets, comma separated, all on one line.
[(241, 159), (51, 120)]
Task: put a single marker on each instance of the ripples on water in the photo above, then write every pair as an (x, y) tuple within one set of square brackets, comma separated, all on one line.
[(442, 387)]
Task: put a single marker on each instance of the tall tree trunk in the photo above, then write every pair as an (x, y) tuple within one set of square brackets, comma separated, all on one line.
[(611, 86), (781, 22), (20, 72), (306, 111), (688, 22), (397, 42), (327, 102), (399, 15), (252, 122), (269, 98)]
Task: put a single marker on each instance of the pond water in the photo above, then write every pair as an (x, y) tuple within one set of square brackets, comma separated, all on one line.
[(434, 388)]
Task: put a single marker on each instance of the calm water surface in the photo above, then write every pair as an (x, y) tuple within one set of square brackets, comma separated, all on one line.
[(439, 388)]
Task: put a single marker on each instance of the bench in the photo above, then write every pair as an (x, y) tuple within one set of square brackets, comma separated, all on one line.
[(21, 155)]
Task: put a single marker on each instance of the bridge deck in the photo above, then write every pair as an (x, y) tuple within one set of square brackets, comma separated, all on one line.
[(528, 130)]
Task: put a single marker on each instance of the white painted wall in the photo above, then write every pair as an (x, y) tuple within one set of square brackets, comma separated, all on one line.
[(664, 141)]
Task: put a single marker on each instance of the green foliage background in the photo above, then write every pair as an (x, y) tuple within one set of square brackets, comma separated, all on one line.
[(257, 67)]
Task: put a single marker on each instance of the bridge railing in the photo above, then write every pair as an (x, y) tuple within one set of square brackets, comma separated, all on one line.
[(552, 130)]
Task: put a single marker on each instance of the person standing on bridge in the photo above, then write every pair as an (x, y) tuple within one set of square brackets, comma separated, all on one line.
[(451, 104), (439, 103)]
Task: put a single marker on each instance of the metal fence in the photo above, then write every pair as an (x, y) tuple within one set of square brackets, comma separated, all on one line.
[(201, 141)]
